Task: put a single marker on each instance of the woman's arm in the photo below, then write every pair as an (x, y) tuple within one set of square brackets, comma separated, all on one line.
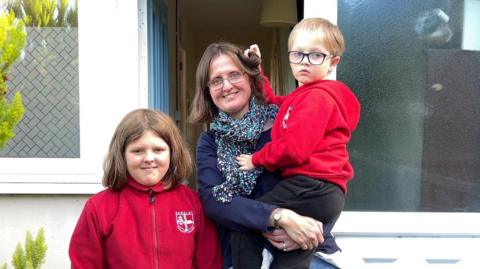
[(304, 231), (242, 214)]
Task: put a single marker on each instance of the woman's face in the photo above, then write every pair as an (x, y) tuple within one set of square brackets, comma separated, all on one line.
[(148, 158), (232, 98)]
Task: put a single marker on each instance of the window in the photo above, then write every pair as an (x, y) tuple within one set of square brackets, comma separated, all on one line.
[(415, 70), (47, 76), (108, 85)]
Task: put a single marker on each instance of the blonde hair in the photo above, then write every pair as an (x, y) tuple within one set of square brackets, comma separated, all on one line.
[(331, 35), (131, 128)]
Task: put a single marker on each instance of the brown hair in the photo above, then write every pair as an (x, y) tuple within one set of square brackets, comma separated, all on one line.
[(203, 109), (330, 33), (131, 128)]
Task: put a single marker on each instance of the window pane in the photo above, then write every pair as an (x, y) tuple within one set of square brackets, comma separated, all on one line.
[(47, 77), (414, 66)]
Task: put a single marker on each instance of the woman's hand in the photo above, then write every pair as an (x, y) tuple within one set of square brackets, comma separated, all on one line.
[(280, 239), (245, 162), (305, 231)]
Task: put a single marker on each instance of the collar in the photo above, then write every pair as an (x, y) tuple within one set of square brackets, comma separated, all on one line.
[(159, 187)]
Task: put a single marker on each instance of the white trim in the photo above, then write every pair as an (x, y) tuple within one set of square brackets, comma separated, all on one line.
[(143, 52), (408, 224), (108, 89), (327, 9), (324, 9), (50, 188)]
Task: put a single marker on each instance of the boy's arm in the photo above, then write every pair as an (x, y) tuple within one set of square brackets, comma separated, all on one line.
[(245, 162), (269, 93), (304, 130), (237, 214), (267, 87)]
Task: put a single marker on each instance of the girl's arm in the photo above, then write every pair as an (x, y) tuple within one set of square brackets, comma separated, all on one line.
[(86, 245), (207, 245), (242, 214)]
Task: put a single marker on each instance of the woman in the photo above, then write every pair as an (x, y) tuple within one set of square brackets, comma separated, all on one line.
[(229, 95)]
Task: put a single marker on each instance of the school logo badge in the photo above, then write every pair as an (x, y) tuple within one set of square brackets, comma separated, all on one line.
[(285, 118), (185, 221)]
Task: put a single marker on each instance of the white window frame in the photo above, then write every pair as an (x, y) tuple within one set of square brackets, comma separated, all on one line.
[(109, 87), (395, 224)]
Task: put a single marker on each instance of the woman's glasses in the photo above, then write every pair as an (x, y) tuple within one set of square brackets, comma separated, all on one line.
[(296, 57), (218, 82)]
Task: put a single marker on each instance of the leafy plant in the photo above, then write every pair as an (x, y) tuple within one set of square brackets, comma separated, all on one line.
[(32, 254), (45, 13), (12, 41)]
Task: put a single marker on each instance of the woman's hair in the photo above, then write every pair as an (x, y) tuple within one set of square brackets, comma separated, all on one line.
[(131, 128), (203, 109), (329, 33)]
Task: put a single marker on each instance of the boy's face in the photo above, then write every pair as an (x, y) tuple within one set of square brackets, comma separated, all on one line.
[(305, 72)]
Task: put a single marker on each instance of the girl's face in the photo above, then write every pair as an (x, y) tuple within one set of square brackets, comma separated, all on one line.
[(233, 97), (148, 158), (305, 72)]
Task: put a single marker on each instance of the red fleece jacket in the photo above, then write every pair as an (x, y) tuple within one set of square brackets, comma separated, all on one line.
[(142, 227), (311, 131)]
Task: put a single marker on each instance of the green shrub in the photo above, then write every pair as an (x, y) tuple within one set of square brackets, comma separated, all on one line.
[(45, 13), (12, 41), (32, 254)]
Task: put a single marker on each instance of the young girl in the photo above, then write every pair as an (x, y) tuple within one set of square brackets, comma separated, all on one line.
[(145, 218)]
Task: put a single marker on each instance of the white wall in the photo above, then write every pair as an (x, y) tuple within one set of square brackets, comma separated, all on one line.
[(58, 215)]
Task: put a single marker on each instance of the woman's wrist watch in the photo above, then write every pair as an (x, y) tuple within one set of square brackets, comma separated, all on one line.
[(276, 219)]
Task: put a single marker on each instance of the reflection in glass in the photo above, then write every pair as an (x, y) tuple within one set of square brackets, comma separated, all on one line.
[(417, 145)]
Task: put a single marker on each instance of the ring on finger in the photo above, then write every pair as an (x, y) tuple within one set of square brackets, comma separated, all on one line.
[(284, 246)]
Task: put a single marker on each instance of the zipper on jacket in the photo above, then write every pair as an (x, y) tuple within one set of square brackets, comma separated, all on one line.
[(151, 195)]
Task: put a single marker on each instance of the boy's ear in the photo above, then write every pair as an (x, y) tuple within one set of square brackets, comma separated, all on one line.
[(334, 61)]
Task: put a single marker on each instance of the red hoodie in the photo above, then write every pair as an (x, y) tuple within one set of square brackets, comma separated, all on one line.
[(142, 227), (311, 132)]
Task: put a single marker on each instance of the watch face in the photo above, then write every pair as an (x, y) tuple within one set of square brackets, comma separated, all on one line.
[(276, 218)]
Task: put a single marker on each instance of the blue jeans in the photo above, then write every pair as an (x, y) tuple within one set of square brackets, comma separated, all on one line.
[(318, 263)]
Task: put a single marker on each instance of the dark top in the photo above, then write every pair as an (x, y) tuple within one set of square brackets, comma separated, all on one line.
[(244, 213)]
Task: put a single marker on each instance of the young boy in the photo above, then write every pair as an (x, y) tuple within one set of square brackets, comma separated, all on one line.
[(309, 141)]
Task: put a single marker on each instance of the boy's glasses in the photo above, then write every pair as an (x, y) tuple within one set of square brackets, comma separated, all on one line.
[(217, 83), (296, 57)]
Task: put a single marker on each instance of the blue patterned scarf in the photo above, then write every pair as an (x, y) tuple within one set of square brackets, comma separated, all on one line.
[(234, 137)]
